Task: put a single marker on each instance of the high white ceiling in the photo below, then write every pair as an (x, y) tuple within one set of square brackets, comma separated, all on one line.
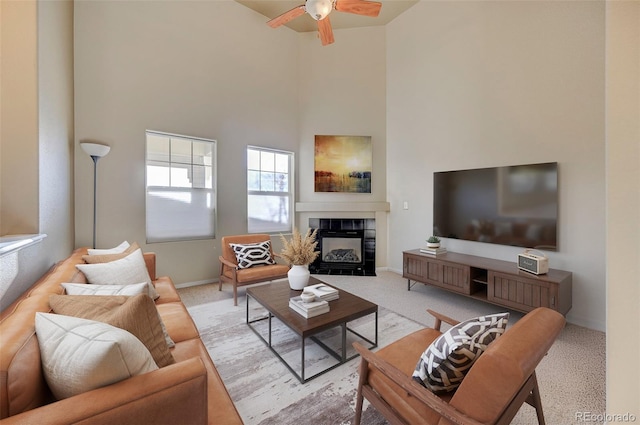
[(339, 20)]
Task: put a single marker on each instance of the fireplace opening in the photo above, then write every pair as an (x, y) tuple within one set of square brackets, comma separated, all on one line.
[(345, 246), (342, 250)]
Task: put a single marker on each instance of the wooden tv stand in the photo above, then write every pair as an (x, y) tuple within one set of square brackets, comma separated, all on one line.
[(494, 281)]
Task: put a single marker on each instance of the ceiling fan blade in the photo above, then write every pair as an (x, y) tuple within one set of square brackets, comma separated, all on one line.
[(286, 16), (359, 7), (325, 30)]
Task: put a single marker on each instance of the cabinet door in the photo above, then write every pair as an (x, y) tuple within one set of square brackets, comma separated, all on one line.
[(455, 277), (451, 276), (520, 293), (416, 268)]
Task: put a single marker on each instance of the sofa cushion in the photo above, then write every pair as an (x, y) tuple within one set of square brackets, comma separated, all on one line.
[(115, 250), (80, 355), (125, 271), (446, 361), (137, 315), (126, 290), (106, 258), (249, 255)]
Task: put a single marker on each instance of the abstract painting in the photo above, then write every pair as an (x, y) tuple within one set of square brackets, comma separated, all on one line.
[(343, 164)]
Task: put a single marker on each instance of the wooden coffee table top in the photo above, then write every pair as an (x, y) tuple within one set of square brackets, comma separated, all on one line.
[(275, 298)]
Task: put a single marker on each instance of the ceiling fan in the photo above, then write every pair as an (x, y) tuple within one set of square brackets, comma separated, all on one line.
[(320, 9)]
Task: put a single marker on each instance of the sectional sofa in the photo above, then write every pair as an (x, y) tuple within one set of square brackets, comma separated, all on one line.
[(188, 391)]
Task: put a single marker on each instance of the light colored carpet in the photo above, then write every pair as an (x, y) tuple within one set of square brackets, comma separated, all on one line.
[(264, 390), (571, 377)]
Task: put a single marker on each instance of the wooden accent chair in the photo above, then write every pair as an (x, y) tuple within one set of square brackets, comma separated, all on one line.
[(492, 392), (230, 272)]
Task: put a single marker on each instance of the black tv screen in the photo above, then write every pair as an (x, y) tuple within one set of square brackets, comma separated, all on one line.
[(513, 205)]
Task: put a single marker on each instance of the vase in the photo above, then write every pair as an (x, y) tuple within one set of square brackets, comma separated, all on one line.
[(298, 277), (433, 245)]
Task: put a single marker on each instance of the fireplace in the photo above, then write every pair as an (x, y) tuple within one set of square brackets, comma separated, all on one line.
[(346, 246)]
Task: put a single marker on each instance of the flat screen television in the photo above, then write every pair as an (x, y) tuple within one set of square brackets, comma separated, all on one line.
[(512, 205)]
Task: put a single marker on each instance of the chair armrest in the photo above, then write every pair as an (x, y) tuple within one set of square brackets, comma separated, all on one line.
[(227, 262), (441, 318), (413, 388), (173, 394)]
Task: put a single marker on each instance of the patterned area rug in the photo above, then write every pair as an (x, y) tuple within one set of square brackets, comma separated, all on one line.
[(264, 390)]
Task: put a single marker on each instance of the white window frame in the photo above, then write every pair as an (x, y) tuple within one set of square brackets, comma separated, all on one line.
[(290, 193), (164, 188)]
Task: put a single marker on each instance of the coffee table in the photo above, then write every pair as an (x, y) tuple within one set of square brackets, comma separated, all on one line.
[(274, 297)]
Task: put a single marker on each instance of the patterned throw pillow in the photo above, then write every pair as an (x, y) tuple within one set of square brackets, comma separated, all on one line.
[(249, 255), (447, 360)]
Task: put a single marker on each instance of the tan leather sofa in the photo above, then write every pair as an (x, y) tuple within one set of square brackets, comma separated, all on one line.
[(187, 392)]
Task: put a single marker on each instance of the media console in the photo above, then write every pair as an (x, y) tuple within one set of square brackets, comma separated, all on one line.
[(494, 281)]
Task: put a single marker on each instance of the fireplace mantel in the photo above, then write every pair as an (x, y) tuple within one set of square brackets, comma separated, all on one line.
[(343, 207)]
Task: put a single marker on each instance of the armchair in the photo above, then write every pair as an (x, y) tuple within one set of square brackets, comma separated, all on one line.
[(492, 392), (231, 272)]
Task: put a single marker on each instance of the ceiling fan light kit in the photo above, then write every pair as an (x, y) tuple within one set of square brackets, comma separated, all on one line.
[(320, 10)]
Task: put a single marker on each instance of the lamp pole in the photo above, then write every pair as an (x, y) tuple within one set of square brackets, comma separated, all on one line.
[(95, 151), (95, 159)]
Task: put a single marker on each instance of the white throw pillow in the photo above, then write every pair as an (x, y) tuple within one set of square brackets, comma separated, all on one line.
[(117, 250), (126, 271), (80, 355), (85, 289)]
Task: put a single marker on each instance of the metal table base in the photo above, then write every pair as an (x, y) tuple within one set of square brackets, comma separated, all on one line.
[(340, 357)]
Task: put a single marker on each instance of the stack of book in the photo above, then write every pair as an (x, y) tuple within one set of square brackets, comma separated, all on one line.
[(323, 292), (308, 310), (433, 251)]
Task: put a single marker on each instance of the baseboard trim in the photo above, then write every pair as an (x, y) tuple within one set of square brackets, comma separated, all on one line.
[(195, 283)]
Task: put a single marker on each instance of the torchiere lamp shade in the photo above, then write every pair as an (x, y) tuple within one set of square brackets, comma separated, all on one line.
[(95, 149)]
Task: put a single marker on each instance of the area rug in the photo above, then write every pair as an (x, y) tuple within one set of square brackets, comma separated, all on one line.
[(264, 390)]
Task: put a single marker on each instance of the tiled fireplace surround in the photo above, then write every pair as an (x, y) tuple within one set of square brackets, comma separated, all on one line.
[(358, 234)]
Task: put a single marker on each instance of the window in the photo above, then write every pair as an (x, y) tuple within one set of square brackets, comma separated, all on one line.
[(269, 190), (180, 186)]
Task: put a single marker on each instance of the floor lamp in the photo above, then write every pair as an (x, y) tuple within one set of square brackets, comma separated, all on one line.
[(95, 151)]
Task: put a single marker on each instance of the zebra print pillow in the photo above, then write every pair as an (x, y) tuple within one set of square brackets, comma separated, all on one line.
[(249, 255), (446, 361)]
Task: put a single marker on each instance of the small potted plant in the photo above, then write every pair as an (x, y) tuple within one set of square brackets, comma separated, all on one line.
[(299, 252), (433, 242)]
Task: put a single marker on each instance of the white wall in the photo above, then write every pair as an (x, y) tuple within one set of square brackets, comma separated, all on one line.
[(623, 208), (478, 84), (19, 114), (209, 69), (37, 136), (343, 92)]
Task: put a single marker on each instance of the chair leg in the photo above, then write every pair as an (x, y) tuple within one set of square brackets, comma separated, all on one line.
[(220, 283), (537, 400), (364, 371), (235, 294)]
